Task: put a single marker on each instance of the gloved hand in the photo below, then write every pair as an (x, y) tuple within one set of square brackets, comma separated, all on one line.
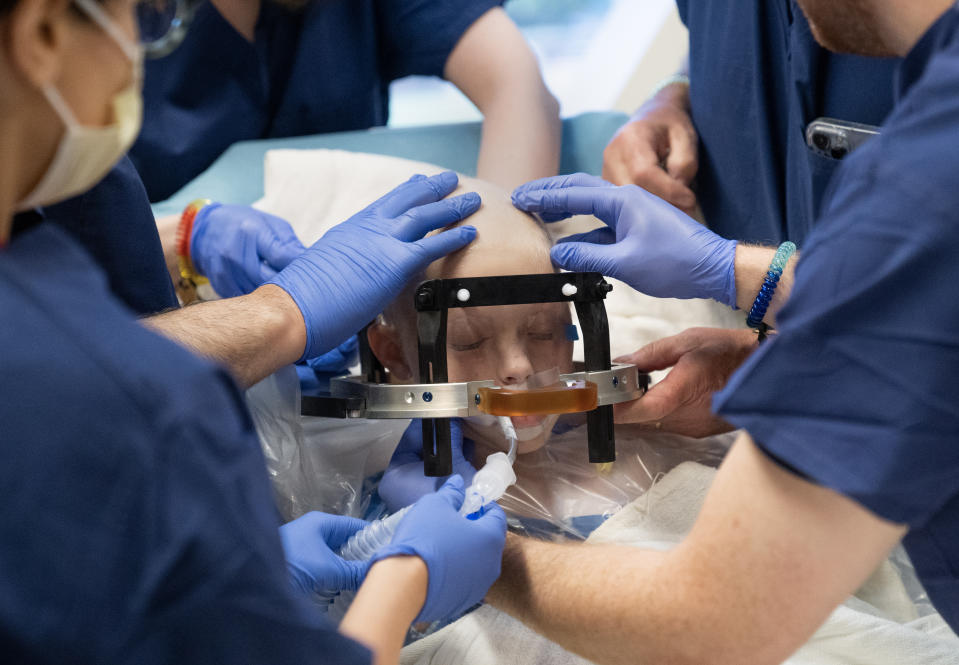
[(350, 274), (649, 244), (404, 482), (238, 248), (462, 555), (311, 542)]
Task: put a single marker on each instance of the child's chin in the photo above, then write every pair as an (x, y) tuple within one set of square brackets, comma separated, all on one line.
[(530, 440)]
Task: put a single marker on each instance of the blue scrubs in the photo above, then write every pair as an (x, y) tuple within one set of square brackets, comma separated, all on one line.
[(115, 224), (137, 522), (859, 391), (757, 79), (323, 68)]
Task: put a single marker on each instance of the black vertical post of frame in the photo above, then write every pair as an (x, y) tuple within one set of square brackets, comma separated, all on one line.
[(599, 421), (431, 334)]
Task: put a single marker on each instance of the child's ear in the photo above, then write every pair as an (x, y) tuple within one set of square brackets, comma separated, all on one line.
[(384, 341)]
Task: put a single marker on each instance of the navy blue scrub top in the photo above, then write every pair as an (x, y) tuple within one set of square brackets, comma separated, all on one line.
[(757, 78), (115, 224), (323, 68), (137, 523), (858, 392)]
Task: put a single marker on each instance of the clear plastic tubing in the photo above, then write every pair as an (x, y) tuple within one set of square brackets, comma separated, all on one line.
[(489, 484)]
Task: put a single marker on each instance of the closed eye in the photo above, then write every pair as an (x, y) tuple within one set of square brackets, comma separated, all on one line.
[(468, 347), (541, 337)]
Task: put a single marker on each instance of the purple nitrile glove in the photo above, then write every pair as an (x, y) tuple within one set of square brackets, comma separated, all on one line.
[(238, 248), (404, 481), (647, 243)]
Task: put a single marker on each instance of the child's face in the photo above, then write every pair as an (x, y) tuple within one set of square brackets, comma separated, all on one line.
[(508, 345)]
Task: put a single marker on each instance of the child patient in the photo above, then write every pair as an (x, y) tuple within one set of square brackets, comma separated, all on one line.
[(557, 493)]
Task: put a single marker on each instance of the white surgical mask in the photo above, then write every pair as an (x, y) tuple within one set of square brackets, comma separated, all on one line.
[(86, 154)]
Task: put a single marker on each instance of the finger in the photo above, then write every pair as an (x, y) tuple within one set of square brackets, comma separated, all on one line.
[(561, 182), (416, 223), (416, 192), (658, 355), (679, 388), (555, 182), (683, 160), (634, 151), (655, 180), (583, 257), (600, 236), (453, 491), (438, 246), (605, 203), (340, 529), (277, 251), (493, 518)]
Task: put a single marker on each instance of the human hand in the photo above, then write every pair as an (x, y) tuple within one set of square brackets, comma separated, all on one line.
[(647, 243), (657, 149), (350, 274), (310, 543), (238, 248), (404, 481), (702, 359), (462, 555)]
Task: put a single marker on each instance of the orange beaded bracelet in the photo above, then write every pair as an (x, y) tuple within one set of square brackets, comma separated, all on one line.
[(184, 233)]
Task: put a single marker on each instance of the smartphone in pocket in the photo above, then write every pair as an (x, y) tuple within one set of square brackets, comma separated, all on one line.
[(837, 138)]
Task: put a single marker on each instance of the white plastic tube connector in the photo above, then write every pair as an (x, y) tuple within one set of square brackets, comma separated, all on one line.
[(489, 483)]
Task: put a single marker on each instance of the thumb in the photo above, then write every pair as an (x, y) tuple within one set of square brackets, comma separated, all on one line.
[(453, 491), (585, 257), (278, 246), (338, 529), (658, 355)]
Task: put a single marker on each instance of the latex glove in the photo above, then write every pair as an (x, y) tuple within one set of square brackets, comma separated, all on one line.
[(647, 243), (702, 360), (238, 248), (350, 274), (404, 482), (311, 542), (462, 555), (657, 149)]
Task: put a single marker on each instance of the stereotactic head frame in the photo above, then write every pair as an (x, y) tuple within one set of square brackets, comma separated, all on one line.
[(436, 401)]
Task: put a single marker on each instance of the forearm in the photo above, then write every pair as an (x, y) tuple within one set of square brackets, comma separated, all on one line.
[(493, 65), (252, 335), (609, 604), (752, 264), (391, 596), (521, 135)]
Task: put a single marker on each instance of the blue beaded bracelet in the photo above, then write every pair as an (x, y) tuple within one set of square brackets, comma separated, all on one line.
[(765, 296)]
